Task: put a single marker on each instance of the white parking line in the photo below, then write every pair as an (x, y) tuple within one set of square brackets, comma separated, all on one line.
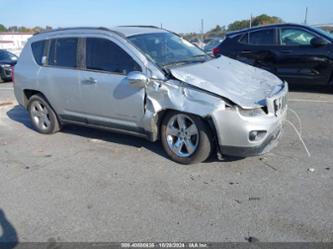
[(311, 101), (6, 88)]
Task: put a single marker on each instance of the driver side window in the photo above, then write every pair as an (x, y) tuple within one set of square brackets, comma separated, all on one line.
[(104, 55), (295, 37)]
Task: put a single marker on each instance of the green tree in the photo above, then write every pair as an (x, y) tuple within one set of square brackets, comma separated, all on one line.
[(2, 28), (23, 29), (256, 21), (217, 31), (237, 25), (12, 29), (265, 19)]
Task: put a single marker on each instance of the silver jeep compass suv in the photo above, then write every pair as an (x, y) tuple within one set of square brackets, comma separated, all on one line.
[(151, 83)]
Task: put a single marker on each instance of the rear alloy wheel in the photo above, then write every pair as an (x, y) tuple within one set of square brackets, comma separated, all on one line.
[(43, 117), (185, 138)]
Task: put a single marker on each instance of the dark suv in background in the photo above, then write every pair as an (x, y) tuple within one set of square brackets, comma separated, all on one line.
[(7, 61), (296, 53)]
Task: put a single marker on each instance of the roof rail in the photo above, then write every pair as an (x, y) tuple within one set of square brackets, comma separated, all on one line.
[(75, 28), (139, 26)]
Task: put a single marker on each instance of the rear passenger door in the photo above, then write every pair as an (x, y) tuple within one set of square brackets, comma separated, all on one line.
[(257, 48), (58, 79), (106, 96)]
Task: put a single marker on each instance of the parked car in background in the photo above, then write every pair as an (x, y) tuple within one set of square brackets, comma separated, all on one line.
[(198, 42), (295, 53), (7, 61), (151, 83), (213, 43)]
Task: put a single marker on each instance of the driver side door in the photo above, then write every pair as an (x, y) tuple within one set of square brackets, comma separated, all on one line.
[(107, 97)]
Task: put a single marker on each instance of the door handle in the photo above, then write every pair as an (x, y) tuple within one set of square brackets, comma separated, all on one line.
[(89, 81), (286, 51), (246, 52)]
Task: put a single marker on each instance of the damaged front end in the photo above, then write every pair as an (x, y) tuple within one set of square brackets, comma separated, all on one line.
[(162, 96), (246, 122)]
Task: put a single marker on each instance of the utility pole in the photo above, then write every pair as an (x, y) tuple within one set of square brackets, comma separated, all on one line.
[(306, 16), (251, 21), (202, 29), (161, 26)]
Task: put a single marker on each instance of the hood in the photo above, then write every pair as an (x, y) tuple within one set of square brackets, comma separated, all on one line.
[(245, 85)]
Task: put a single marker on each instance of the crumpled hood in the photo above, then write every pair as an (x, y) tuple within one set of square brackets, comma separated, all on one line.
[(245, 85)]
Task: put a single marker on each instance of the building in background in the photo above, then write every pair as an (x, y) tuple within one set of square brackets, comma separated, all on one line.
[(14, 41)]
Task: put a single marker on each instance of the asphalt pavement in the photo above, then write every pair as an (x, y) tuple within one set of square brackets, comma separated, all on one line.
[(86, 185)]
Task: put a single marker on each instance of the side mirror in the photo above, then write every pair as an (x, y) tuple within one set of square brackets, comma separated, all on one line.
[(137, 79), (44, 60), (318, 42)]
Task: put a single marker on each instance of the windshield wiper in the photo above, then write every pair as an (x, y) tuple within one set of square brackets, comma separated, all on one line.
[(187, 61)]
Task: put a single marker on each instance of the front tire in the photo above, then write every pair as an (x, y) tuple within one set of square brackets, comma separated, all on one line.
[(44, 119), (186, 138)]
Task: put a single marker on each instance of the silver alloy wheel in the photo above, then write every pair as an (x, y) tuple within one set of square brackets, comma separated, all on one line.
[(182, 135), (40, 115)]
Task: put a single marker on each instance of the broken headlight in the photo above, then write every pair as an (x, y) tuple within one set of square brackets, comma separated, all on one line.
[(252, 112)]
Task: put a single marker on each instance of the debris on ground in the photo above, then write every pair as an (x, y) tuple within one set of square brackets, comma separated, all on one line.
[(94, 140), (263, 160), (311, 170), (254, 198), (251, 239), (327, 168), (6, 103), (233, 183)]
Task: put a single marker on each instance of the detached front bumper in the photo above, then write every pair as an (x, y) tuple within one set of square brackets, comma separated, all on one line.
[(234, 131)]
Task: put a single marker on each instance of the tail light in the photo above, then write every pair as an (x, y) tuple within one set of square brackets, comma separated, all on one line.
[(12, 74), (216, 51)]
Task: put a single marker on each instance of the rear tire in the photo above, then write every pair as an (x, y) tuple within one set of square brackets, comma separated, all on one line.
[(43, 117), (186, 138)]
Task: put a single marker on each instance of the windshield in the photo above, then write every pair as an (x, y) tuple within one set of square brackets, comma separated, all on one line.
[(324, 32), (167, 49)]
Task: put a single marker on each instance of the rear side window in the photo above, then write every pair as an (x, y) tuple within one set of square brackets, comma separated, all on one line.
[(244, 39), (104, 55), (38, 51), (63, 52), (262, 37)]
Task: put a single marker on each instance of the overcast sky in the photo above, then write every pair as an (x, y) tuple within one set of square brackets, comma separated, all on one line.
[(176, 15)]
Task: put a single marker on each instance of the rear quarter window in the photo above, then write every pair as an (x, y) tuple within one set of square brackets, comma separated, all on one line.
[(244, 39), (38, 51)]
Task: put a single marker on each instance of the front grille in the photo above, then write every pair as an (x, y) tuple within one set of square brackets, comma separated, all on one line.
[(280, 104)]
